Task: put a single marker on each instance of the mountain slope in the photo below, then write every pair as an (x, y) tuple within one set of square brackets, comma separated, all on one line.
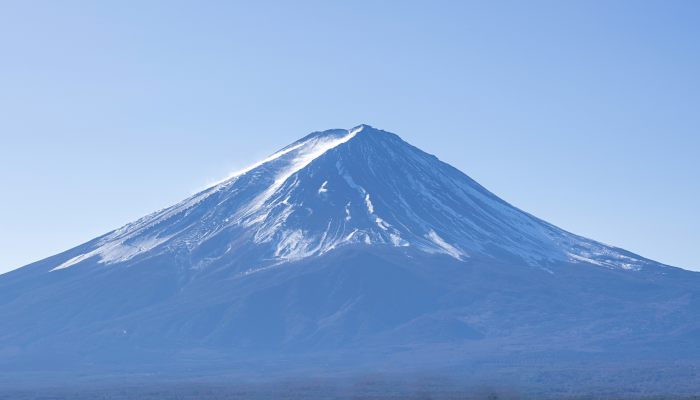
[(353, 246)]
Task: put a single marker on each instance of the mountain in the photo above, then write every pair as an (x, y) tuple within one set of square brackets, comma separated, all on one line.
[(353, 250), (338, 188)]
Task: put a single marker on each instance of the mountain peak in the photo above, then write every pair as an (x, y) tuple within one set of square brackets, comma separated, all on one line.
[(360, 128), (364, 128)]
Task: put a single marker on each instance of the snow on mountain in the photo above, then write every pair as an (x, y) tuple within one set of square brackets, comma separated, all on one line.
[(360, 187)]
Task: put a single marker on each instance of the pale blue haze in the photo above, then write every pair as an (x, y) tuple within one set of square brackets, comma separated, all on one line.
[(582, 113)]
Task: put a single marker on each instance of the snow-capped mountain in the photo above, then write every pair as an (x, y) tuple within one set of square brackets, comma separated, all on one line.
[(347, 249), (361, 186)]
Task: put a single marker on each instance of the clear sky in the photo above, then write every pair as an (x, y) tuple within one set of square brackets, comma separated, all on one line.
[(586, 114)]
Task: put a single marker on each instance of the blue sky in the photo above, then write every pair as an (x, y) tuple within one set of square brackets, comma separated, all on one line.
[(582, 113)]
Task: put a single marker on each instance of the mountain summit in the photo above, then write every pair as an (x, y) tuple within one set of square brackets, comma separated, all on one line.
[(358, 249)]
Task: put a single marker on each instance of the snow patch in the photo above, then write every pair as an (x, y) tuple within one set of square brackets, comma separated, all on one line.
[(323, 188), (293, 245), (116, 251), (397, 241), (349, 237), (348, 217), (446, 247), (382, 224), (368, 203)]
